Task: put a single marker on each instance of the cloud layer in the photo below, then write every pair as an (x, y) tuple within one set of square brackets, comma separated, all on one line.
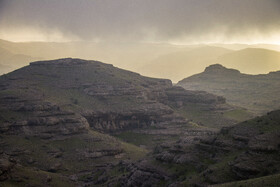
[(145, 20)]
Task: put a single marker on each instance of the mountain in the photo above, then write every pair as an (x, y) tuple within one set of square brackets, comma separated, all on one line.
[(258, 93), (70, 122), (177, 65)]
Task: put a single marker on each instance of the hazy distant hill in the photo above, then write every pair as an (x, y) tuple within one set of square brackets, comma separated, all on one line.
[(11, 61), (237, 46), (252, 60), (5, 69), (151, 59), (177, 65), (259, 93), (125, 55)]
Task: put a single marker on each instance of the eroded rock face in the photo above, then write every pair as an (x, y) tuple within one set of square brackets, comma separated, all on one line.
[(40, 118), (150, 115), (180, 96)]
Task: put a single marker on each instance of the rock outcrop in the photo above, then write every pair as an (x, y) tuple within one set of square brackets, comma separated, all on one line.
[(39, 118)]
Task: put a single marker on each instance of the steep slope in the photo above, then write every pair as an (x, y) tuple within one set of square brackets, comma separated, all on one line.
[(177, 65), (258, 93)]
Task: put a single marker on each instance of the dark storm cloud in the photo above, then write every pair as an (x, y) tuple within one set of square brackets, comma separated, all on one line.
[(137, 19)]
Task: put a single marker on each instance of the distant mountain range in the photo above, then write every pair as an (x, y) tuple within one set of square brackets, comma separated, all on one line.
[(258, 93), (160, 60), (178, 65), (252, 60)]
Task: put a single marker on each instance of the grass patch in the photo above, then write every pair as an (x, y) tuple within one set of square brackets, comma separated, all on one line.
[(135, 138), (237, 114)]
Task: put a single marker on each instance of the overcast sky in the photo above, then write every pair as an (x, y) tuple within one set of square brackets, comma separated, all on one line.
[(175, 21)]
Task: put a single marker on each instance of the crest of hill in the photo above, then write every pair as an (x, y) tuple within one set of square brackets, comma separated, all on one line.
[(258, 93), (219, 69)]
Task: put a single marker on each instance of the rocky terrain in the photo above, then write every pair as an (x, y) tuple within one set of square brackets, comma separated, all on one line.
[(70, 122), (248, 150), (258, 93)]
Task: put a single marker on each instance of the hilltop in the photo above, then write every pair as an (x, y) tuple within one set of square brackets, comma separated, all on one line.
[(258, 93)]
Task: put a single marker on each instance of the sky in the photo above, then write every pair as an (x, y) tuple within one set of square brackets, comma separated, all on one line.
[(163, 21)]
